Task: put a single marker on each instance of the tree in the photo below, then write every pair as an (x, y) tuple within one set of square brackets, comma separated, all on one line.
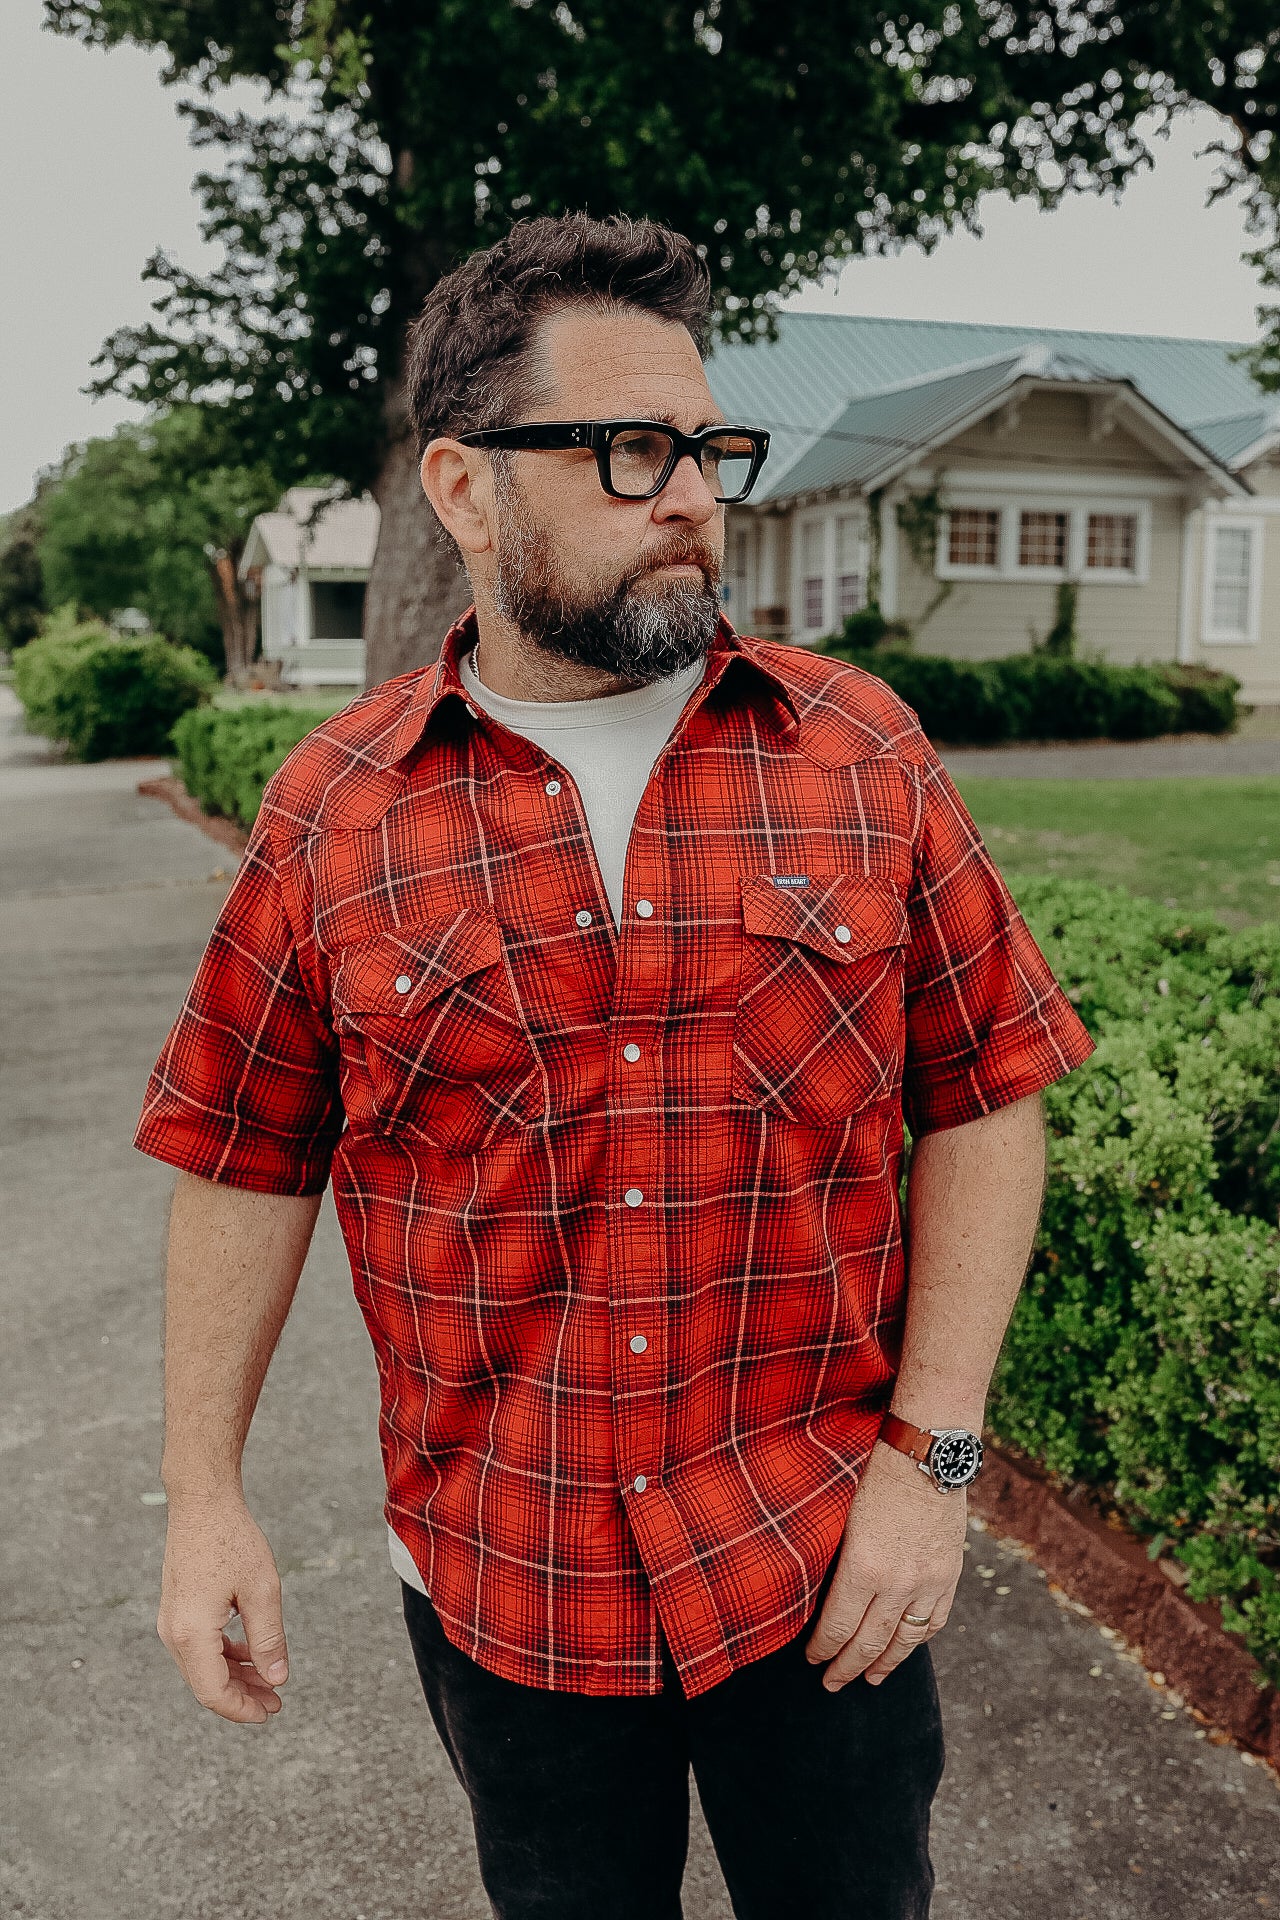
[(22, 602), (781, 138), (156, 516)]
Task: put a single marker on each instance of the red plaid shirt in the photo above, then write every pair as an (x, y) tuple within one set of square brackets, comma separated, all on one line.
[(621, 1205)]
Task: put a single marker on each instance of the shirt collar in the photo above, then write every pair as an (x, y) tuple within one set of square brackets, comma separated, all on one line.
[(443, 682)]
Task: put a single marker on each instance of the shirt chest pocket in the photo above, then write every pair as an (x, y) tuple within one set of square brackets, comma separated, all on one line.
[(429, 1012), (819, 1028)]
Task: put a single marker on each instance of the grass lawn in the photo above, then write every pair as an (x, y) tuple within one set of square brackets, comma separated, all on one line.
[(323, 699), (1190, 843)]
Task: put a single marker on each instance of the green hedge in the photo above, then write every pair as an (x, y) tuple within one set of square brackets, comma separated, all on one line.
[(1143, 1358), (1036, 696), (107, 697), (226, 755)]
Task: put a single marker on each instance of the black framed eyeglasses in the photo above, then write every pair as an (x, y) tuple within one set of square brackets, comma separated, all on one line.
[(636, 458)]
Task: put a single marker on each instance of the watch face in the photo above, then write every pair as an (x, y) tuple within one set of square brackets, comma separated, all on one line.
[(955, 1458)]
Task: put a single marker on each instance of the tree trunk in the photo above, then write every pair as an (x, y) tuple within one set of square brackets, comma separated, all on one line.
[(237, 616), (417, 587)]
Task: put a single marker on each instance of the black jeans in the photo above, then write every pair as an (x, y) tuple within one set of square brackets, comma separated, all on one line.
[(817, 1803)]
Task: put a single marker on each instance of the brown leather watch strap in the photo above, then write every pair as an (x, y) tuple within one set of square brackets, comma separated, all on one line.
[(913, 1441)]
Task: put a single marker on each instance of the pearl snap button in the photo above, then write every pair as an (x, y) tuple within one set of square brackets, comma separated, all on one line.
[(633, 1196), (631, 1051), (583, 918), (843, 935), (403, 984), (638, 1343), (553, 786), (639, 1483), (644, 908)]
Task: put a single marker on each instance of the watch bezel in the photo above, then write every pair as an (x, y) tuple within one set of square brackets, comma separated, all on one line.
[(952, 1482)]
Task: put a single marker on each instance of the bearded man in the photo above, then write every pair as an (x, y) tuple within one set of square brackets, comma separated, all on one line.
[(599, 966)]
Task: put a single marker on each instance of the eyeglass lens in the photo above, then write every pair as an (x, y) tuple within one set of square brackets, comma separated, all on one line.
[(638, 456)]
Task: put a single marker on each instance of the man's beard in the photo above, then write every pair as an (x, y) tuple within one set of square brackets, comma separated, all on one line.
[(639, 633)]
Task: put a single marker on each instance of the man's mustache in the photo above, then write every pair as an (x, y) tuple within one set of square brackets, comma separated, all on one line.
[(687, 553)]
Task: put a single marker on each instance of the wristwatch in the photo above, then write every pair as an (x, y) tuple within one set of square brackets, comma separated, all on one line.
[(951, 1456)]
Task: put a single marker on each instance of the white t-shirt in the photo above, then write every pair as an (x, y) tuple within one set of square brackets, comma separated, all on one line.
[(608, 746)]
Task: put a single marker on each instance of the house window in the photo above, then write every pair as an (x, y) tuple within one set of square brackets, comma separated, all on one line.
[(1231, 583), (974, 537), (1042, 539), (813, 584), (337, 609), (850, 585), (734, 590), (1111, 542)]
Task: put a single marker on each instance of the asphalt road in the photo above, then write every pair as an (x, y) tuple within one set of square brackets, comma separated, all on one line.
[(1074, 1787)]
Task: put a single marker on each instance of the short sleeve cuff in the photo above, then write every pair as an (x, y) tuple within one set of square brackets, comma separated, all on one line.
[(1020, 1067), (257, 1162)]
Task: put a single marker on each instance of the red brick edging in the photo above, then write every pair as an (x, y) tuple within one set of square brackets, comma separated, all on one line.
[(171, 790), (1104, 1567), (1107, 1568)]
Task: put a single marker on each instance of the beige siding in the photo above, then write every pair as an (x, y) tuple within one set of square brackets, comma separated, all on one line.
[(1052, 431), (978, 619)]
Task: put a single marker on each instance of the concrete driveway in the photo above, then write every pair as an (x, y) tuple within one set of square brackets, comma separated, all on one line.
[(1073, 1788)]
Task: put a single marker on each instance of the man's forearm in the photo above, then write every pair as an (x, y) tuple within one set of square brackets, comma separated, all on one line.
[(973, 1202), (233, 1265)]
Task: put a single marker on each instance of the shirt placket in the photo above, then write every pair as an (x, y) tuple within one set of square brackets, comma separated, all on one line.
[(636, 1201)]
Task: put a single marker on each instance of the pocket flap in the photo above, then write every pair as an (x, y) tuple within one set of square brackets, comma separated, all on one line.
[(399, 971), (840, 915)]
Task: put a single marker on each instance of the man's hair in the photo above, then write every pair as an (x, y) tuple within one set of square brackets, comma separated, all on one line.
[(471, 350)]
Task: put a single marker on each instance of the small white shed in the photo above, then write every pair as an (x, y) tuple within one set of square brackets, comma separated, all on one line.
[(309, 561)]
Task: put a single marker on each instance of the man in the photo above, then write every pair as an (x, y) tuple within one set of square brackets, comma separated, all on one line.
[(619, 944)]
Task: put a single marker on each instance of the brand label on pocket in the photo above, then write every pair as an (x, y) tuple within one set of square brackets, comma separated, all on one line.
[(789, 879)]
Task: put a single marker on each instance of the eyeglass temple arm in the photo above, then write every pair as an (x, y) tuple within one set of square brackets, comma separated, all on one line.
[(545, 437)]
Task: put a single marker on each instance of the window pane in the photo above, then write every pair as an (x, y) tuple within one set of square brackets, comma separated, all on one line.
[(337, 609), (850, 593), (1232, 555), (848, 529), (813, 600), (974, 540), (1042, 540), (1112, 541)]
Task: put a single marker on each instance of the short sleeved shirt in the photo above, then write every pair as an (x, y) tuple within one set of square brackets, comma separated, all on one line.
[(620, 1200)]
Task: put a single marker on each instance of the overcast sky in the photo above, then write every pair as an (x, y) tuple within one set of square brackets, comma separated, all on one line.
[(96, 172)]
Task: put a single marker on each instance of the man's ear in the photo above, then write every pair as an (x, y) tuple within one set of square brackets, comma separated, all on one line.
[(456, 480)]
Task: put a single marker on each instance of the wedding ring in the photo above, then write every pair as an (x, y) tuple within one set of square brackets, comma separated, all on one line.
[(914, 1619)]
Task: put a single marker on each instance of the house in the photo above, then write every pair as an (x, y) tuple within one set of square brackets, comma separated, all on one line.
[(959, 474), (308, 563)]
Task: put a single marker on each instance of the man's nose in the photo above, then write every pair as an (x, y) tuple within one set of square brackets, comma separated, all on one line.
[(686, 495)]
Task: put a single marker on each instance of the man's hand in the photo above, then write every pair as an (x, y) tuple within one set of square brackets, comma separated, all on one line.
[(217, 1562), (902, 1552)]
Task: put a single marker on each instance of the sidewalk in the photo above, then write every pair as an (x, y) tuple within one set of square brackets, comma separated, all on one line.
[(1185, 756), (1073, 1788)]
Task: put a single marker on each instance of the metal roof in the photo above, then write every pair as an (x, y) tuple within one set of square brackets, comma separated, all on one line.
[(1229, 439), (802, 385), (341, 538), (884, 430)]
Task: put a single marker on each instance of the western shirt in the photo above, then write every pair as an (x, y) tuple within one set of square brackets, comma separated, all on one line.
[(621, 1201)]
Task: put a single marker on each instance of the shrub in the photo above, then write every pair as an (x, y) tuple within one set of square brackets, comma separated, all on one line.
[(870, 628), (1206, 698), (226, 755), (957, 700), (105, 696), (1050, 698), (1041, 696), (1060, 641), (1143, 1358)]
